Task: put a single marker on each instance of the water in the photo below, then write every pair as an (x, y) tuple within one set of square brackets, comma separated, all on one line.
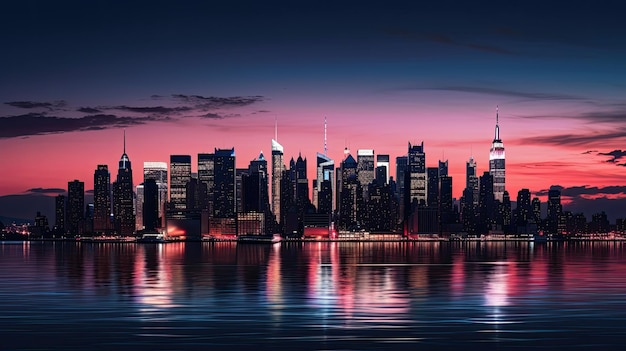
[(312, 296)]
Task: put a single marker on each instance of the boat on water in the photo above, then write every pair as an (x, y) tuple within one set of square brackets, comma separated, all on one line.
[(152, 237), (259, 239)]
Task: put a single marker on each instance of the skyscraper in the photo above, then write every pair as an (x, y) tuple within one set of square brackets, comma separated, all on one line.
[(471, 179), (496, 163), (180, 175), (123, 197), (325, 173), (158, 172), (206, 177), (554, 210), (416, 167), (383, 161), (150, 205), (75, 207), (365, 169), (432, 187), (224, 189), (278, 167), (101, 200), (59, 209), (401, 168)]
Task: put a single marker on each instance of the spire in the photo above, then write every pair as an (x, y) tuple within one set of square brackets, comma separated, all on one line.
[(124, 140), (497, 131)]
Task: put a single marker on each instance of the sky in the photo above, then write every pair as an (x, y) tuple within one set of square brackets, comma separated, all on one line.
[(186, 77)]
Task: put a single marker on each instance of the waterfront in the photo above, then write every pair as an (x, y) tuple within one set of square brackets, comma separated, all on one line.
[(312, 296)]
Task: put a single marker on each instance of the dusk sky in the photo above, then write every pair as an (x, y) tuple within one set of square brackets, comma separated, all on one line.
[(184, 78)]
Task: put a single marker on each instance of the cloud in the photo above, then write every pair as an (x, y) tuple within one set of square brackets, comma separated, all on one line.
[(46, 191), (150, 109), (212, 115), (213, 102), (615, 154), (38, 124), (576, 139), (589, 152), (585, 190), (89, 110), (36, 104), (506, 92)]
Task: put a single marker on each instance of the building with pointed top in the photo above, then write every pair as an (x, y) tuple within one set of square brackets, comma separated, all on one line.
[(278, 166), (123, 197), (496, 163)]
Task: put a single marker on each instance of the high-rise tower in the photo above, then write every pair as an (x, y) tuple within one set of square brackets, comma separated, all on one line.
[(278, 167), (180, 175), (416, 169), (123, 199), (101, 200), (496, 163), (471, 179)]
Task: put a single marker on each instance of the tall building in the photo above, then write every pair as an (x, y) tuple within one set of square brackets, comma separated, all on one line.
[(351, 194), (75, 207), (366, 172), (102, 200), (206, 178), (325, 173), (224, 188), (443, 168), (180, 175), (278, 167), (150, 205), (139, 202), (524, 211), (59, 210), (123, 197), (383, 161), (416, 167), (471, 179), (401, 168), (446, 209), (487, 209), (158, 172), (554, 210), (496, 163), (432, 187)]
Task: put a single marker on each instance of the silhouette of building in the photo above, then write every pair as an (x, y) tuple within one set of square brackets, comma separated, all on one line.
[(158, 172), (180, 175), (60, 211), (278, 167), (224, 188), (75, 207), (416, 175), (366, 172), (324, 184), (150, 206), (123, 197), (496, 163), (554, 210), (206, 179), (486, 203), (102, 200), (432, 189), (383, 161), (471, 179), (401, 170), (350, 194)]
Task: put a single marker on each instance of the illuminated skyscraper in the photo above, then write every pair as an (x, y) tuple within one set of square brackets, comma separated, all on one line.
[(278, 167), (59, 209), (496, 163), (180, 175), (365, 169), (383, 161), (123, 197), (75, 208), (224, 189), (206, 178), (416, 168), (471, 179), (325, 173), (101, 200)]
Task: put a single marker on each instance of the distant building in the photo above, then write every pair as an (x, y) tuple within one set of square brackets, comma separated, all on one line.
[(471, 179), (383, 161), (102, 200), (123, 197), (496, 163), (278, 167), (224, 188), (416, 168), (366, 172), (60, 212), (75, 207), (180, 175), (158, 172), (150, 206)]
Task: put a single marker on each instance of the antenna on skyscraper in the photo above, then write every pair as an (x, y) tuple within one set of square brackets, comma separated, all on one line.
[(124, 140), (325, 145), (497, 114)]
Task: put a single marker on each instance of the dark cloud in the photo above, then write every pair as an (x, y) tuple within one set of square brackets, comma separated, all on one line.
[(90, 110), (212, 115), (38, 124), (46, 191), (575, 139), (505, 92), (577, 191), (589, 152), (214, 102), (36, 104), (150, 109), (615, 155)]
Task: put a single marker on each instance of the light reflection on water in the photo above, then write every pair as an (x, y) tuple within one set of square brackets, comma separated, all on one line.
[(331, 296)]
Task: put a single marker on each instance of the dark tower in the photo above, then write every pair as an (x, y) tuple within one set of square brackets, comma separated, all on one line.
[(59, 223), (75, 207), (224, 188), (102, 200), (150, 205), (123, 199)]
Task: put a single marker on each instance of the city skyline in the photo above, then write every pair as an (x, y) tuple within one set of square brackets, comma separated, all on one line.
[(219, 77)]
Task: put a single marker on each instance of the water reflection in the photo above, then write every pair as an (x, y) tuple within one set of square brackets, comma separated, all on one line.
[(311, 295)]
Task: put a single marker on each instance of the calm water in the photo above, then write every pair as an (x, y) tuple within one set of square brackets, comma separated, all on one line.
[(313, 296)]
